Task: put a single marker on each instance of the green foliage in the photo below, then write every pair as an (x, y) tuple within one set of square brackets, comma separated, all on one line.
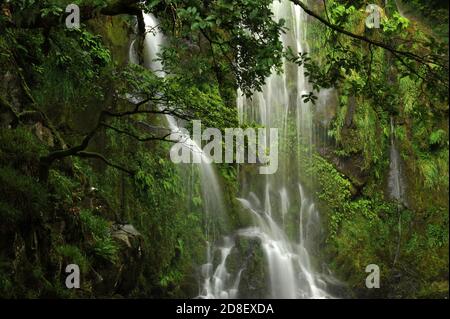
[(372, 141), (19, 146), (103, 245), (339, 13), (433, 168), (74, 255), (82, 57), (438, 138), (51, 10), (168, 220), (437, 235), (434, 12), (73, 75), (243, 30), (373, 87), (63, 187), (334, 189), (22, 192), (181, 97), (395, 23), (170, 278)]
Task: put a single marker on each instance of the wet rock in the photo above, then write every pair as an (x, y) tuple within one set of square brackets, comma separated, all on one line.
[(130, 257), (253, 283), (125, 234), (10, 84), (43, 134), (350, 166)]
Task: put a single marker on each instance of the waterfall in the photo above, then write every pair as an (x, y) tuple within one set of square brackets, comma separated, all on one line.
[(211, 190), (271, 200), (395, 180), (396, 185), (220, 283), (212, 199), (216, 283), (291, 262)]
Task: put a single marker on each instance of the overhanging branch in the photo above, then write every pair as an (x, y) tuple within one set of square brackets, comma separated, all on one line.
[(138, 138), (396, 52), (85, 154)]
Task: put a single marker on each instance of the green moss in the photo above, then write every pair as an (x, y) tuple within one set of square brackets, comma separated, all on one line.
[(115, 32), (20, 146), (21, 191), (102, 243)]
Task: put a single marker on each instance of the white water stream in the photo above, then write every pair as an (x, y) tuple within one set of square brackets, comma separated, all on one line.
[(290, 259)]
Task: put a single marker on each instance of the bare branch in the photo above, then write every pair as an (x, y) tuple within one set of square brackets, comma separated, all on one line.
[(138, 138), (104, 160)]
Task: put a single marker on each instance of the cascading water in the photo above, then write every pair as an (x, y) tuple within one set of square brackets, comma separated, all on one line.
[(216, 284), (212, 200), (271, 200), (219, 283), (290, 259), (211, 191)]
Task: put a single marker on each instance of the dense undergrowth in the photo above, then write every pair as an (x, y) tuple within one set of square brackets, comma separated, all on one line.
[(77, 215), (144, 235)]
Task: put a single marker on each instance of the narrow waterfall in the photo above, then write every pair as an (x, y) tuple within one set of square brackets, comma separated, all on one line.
[(212, 199), (396, 185), (395, 181), (211, 191), (215, 281)]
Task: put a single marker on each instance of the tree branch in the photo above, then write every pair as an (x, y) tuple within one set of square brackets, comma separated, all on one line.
[(138, 138), (410, 55), (85, 154), (46, 161)]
